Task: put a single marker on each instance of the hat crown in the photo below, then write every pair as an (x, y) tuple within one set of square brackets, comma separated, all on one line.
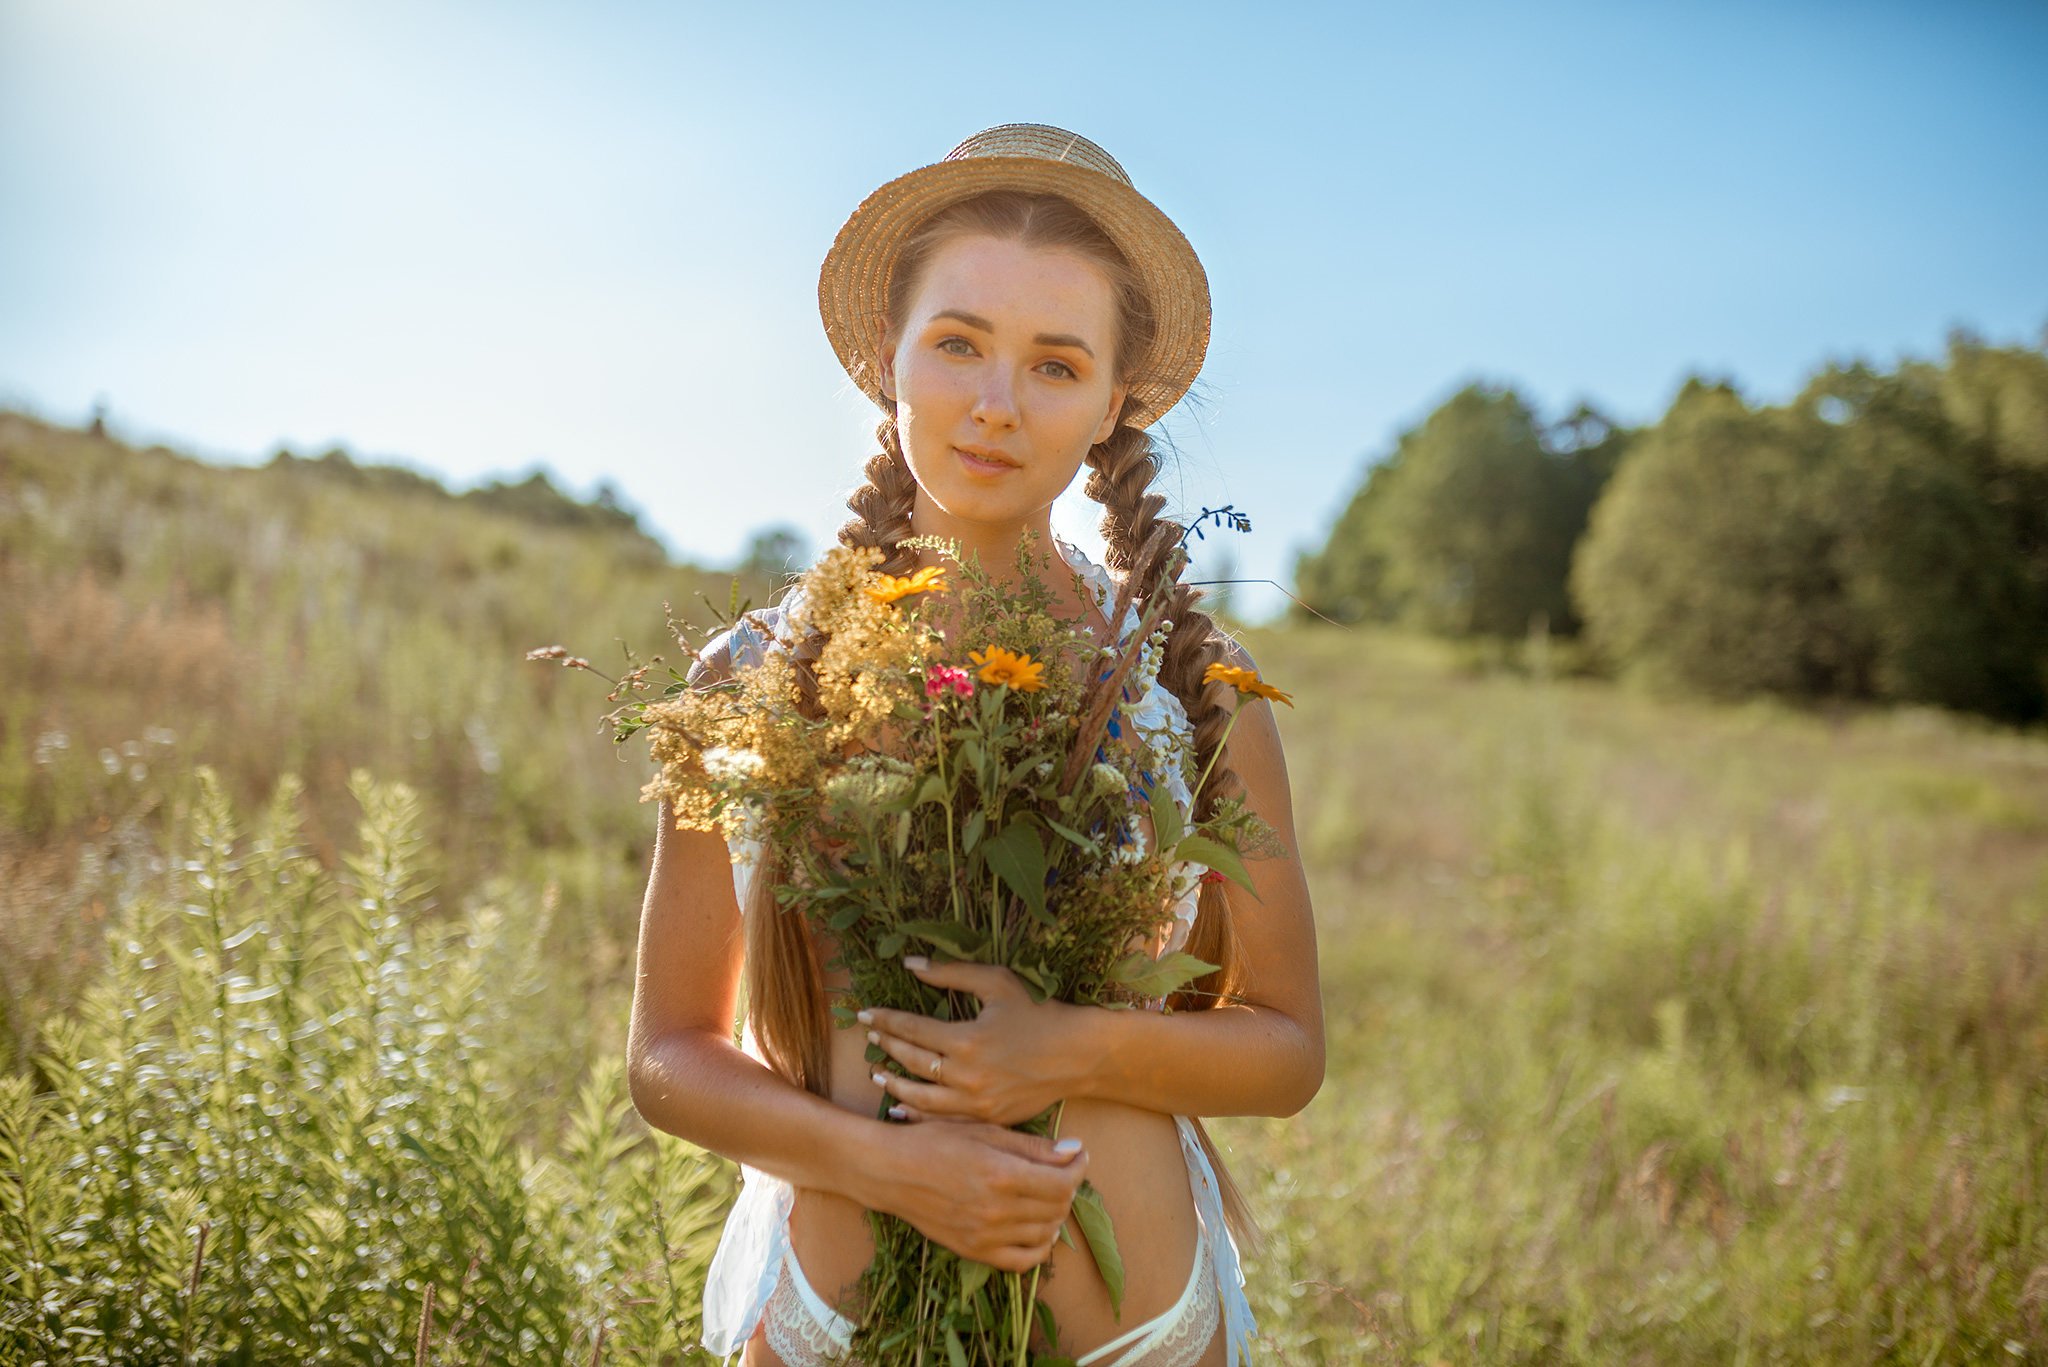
[(1040, 140)]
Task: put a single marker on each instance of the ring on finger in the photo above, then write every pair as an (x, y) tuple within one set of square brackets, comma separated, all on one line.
[(937, 1062)]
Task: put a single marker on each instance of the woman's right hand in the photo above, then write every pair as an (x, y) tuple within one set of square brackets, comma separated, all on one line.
[(992, 1194)]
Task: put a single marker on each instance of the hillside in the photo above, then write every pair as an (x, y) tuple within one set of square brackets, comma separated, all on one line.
[(315, 617)]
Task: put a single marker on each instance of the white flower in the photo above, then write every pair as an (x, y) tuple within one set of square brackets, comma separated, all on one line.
[(730, 761)]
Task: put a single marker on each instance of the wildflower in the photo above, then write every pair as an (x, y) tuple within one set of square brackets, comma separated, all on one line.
[(1211, 876), (731, 762), (999, 666), (939, 678), (1245, 681), (1106, 779), (887, 588)]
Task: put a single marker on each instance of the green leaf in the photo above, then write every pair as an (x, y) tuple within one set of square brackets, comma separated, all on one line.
[(1070, 834), (1167, 826), (889, 946), (977, 822), (1149, 977), (956, 1354), (844, 917), (973, 1276), (962, 942), (1018, 858), (1094, 1221), (1036, 976), (1217, 856), (902, 833), (934, 790)]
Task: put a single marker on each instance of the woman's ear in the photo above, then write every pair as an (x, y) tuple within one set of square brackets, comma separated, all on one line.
[(1116, 409), (886, 369)]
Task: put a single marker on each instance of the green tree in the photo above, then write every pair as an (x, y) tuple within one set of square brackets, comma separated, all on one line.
[(1707, 564), (1841, 546), (1347, 578), (1467, 529), (1933, 571)]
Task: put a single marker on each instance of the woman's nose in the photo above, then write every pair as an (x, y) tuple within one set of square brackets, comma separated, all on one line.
[(995, 404)]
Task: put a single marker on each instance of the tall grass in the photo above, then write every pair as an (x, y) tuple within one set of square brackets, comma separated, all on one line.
[(1659, 1033), (157, 614), (280, 1127)]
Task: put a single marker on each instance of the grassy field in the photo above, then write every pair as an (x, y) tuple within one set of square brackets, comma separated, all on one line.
[(1659, 1032)]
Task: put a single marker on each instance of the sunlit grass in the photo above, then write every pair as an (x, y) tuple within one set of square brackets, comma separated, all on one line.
[(1659, 1031)]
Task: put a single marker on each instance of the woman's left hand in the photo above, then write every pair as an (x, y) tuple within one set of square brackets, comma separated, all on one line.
[(1005, 1066)]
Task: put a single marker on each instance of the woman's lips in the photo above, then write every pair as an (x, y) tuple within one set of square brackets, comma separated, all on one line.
[(982, 465)]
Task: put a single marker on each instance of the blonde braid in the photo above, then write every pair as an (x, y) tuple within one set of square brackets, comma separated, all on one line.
[(882, 506), (783, 967), (1120, 478), (1121, 471)]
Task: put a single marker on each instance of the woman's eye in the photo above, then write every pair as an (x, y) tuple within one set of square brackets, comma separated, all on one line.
[(956, 346), (1060, 370)]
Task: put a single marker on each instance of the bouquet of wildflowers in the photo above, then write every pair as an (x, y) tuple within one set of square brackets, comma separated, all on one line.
[(976, 801)]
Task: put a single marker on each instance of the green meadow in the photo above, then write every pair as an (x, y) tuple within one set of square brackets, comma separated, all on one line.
[(1659, 1031)]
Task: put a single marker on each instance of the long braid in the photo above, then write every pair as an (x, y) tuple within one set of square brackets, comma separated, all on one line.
[(784, 972), (1121, 471), (882, 506)]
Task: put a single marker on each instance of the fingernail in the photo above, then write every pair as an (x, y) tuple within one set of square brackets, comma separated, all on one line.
[(1068, 1145), (874, 1038), (916, 961), (898, 1113), (881, 1079), (864, 1016)]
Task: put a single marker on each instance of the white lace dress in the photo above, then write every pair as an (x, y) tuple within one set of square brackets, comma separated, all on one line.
[(750, 1253)]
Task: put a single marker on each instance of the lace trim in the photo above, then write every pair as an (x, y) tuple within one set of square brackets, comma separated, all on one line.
[(1188, 1338), (795, 1322)]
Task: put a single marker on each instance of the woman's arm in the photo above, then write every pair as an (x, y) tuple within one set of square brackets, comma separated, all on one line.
[(985, 1192), (1260, 1056)]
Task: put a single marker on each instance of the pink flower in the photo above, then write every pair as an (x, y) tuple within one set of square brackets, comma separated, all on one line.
[(1211, 876), (939, 678)]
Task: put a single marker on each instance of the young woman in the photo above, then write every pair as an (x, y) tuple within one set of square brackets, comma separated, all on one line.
[(1018, 311)]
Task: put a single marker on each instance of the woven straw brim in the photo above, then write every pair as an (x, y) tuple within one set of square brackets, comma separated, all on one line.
[(853, 285)]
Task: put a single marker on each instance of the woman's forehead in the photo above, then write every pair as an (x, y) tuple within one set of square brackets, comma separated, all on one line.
[(1014, 285)]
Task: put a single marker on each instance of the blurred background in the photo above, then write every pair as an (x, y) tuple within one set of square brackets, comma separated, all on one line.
[(1642, 413)]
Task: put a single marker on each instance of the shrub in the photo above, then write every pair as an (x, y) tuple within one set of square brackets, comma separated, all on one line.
[(278, 1129)]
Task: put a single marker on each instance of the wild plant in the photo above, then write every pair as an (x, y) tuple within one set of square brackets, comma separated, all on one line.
[(278, 1128)]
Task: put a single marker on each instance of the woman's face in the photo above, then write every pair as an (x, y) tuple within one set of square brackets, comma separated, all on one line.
[(1004, 374)]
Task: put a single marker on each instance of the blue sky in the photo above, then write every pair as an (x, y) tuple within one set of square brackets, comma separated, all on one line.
[(477, 237)]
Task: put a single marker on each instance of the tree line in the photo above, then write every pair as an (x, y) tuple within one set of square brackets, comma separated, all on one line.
[(1881, 537)]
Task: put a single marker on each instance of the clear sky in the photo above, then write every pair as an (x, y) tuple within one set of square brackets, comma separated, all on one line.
[(480, 236)]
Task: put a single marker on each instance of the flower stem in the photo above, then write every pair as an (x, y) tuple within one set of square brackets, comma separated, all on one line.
[(1031, 1300)]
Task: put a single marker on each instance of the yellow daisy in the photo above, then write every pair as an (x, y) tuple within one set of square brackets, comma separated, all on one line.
[(1245, 681), (887, 588), (999, 666)]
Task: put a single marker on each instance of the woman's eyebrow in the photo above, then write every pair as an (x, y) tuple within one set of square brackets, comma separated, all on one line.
[(975, 320)]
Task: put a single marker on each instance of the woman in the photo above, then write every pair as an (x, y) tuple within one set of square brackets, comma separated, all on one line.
[(1017, 310)]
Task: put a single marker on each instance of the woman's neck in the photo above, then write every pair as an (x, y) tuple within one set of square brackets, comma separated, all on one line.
[(993, 544)]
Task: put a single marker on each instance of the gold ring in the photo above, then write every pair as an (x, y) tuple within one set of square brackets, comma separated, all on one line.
[(936, 1064)]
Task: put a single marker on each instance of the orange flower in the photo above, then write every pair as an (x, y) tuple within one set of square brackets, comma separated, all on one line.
[(1245, 681), (999, 666), (887, 588)]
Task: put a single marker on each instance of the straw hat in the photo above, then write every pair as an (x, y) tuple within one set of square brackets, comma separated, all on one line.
[(853, 285)]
